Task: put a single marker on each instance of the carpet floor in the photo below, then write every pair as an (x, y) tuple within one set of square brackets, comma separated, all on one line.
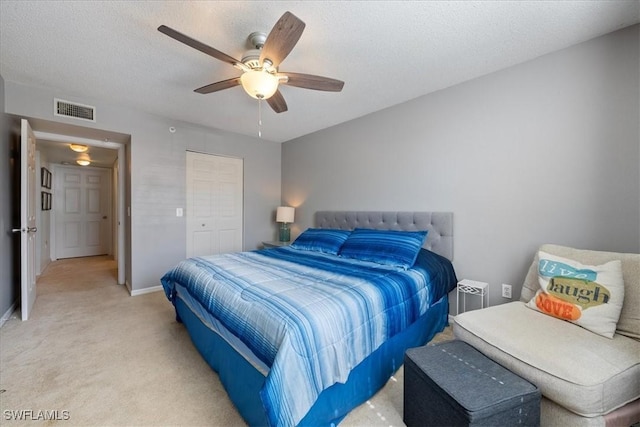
[(91, 355)]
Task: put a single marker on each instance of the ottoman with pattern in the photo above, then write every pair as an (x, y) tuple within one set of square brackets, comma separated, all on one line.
[(453, 384)]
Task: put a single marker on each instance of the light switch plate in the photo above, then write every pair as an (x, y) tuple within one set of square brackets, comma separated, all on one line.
[(179, 212)]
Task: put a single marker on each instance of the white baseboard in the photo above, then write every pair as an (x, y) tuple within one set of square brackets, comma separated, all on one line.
[(7, 314), (137, 292), (46, 264)]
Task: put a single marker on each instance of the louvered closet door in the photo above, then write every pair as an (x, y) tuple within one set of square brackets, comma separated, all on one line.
[(82, 200), (214, 204)]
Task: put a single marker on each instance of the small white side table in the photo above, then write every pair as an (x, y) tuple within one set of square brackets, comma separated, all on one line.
[(472, 287)]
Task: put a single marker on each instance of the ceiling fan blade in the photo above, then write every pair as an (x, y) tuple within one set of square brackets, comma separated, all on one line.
[(282, 38), (309, 81), (214, 87), (277, 102), (197, 45)]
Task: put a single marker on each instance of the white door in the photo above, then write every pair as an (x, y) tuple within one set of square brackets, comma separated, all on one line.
[(82, 198), (214, 204), (27, 219)]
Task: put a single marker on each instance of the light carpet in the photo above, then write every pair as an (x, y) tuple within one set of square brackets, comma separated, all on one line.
[(91, 355)]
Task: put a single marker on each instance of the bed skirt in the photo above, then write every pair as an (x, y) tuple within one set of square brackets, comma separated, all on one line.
[(243, 381)]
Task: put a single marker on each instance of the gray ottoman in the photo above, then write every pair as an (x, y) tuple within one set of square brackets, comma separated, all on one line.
[(453, 384)]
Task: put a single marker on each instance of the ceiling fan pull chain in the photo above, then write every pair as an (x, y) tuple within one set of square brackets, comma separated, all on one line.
[(259, 118)]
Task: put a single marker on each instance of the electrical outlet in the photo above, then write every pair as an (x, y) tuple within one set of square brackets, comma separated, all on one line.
[(506, 291)]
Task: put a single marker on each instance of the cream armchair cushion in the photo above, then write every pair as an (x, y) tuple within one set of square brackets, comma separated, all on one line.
[(586, 373)]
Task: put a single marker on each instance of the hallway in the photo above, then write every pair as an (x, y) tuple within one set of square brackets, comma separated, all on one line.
[(78, 274)]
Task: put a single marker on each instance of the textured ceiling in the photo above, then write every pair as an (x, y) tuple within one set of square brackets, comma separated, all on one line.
[(385, 52)]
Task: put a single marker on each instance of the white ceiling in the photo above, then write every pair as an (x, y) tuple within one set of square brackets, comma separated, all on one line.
[(385, 52), (58, 152)]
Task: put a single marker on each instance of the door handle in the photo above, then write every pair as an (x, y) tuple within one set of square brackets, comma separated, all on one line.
[(104, 217), (28, 230)]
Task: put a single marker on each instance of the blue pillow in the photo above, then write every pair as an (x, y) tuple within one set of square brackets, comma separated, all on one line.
[(324, 240), (396, 248)]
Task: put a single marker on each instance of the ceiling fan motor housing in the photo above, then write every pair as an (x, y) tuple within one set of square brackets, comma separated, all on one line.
[(257, 39), (251, 58)]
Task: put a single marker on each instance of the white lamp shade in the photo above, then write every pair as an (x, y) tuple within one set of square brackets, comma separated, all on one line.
[(259, 84), (285, 214)]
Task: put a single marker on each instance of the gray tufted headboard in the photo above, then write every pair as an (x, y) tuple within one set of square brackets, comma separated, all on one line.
[(439, 224)]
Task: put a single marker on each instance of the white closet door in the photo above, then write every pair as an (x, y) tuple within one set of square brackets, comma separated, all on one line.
[(214, 204), (82, 209)]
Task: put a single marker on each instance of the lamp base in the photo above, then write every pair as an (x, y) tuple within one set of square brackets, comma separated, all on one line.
[(285, 233)]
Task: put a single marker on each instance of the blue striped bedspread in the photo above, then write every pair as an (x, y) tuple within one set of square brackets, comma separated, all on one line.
[(310, 317)]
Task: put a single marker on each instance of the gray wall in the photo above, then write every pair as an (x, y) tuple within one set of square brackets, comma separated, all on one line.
[(546, 151), (156, 176), (7, 286)]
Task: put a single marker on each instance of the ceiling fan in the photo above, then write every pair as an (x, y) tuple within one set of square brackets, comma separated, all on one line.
[(260, 77)]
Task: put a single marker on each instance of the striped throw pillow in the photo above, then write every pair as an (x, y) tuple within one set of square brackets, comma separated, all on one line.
[(324, 240), (389, 247)]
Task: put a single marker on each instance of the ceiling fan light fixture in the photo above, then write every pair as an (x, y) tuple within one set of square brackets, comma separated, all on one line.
[(84, 160), (78, 148), (259, 84)]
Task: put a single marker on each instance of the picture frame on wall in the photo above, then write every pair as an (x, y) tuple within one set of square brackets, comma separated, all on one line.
[(45, 201), (45, 177)]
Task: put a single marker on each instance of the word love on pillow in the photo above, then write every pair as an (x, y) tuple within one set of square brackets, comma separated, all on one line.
[(589, 296)]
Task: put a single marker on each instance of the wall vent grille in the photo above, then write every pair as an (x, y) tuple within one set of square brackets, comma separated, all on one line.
[(74, 110)]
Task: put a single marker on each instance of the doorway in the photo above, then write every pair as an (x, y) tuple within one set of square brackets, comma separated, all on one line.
[(106, 156), (41, 192)]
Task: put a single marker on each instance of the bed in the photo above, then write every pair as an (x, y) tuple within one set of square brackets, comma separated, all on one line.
[(300, 335)]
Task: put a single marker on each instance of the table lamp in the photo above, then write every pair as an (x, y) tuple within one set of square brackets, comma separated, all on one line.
[(284, 215)]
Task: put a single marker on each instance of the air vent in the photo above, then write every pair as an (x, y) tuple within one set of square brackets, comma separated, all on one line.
[(74, 110)]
